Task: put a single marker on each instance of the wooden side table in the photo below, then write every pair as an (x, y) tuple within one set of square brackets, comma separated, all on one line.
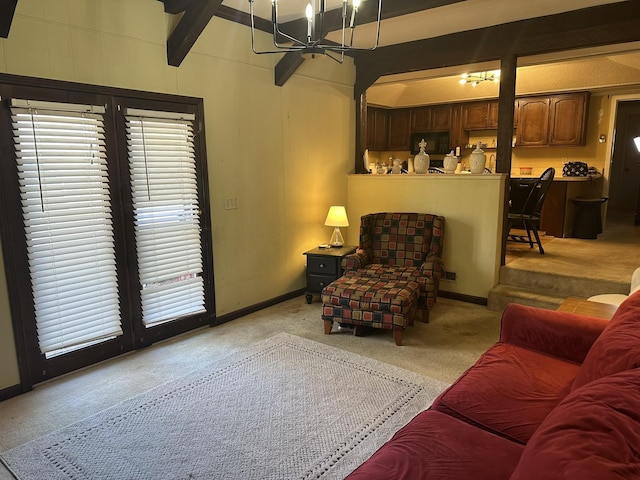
[(583, 306), (324, 265)]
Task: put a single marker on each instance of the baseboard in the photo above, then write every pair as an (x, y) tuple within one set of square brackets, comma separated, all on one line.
[(10, 392), (258, 306), (463, 298)]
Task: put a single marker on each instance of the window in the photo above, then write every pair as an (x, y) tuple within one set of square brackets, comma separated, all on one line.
[(105, 235), (165, 204), (61, 161)]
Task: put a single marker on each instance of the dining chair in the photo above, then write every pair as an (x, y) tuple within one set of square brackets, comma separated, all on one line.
[(527, 217)]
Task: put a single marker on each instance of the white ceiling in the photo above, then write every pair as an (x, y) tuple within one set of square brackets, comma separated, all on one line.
[(461, 16)]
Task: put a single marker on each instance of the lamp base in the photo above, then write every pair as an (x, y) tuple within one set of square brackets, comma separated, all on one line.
[(336, 238)]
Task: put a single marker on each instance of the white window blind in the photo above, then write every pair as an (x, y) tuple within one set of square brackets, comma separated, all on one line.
[(166, 213), (66, 207)]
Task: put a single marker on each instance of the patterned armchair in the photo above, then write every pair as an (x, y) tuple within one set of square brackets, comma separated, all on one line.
[(401, 246)]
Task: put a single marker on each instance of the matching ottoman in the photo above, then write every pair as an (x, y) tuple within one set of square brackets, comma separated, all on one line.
[(370, 302)]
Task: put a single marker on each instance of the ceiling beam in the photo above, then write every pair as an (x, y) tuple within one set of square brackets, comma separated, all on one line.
[(176, 6), (589, 27), (7, 9), (191, 25), (368, 13)]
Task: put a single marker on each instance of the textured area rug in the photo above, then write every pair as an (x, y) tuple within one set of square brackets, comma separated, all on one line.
[(285, 408)]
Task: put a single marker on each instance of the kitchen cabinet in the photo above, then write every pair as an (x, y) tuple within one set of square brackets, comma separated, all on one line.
[(568, 118), (533, 126), (480, 115), (399, 129), (377, 126), (555, 120), (431, 119)]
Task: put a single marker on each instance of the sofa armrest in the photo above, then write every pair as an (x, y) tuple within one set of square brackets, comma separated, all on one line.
[(356, 260), (559, 334), (433, 266)]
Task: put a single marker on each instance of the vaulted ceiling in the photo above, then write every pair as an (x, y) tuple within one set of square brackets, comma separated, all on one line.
[(419, 34)]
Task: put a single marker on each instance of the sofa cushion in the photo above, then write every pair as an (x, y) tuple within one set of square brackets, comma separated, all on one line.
[(617, 348), (435, 446), (592, 434), (509, 391)]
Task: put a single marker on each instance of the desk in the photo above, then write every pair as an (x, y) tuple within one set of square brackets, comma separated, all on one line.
[(582, 306)]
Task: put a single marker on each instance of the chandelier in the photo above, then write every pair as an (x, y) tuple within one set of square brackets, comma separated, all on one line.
[(319, 22), (476, 78)]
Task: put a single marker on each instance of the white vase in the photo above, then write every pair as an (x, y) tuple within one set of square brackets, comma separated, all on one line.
[(421, 160), (478, 160), (450, 163)]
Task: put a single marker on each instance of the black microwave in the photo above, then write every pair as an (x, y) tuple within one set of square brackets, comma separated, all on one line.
[(437, 142)]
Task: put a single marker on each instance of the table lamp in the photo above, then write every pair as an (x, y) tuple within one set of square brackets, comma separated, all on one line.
[(337, 217)]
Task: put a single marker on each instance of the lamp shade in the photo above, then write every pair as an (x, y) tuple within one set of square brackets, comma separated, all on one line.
[(337, 217)]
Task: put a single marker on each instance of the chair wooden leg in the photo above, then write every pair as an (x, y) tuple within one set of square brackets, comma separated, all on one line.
[(535, 232), (397, 335), (327, 326), (358, 331), (424, 315)]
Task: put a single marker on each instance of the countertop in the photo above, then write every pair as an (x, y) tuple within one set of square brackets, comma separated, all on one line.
[(561, 178)]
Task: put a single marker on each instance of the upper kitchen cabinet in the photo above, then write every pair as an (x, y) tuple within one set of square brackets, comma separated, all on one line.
[(568, 119), (556, 120), (431, 119), (399, 129), (533, 127), (377, 126), (480, 115)]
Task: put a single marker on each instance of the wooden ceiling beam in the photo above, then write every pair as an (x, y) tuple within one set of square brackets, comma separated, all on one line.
[(7, 9), (590, 27), (176, 6), (191, 25)]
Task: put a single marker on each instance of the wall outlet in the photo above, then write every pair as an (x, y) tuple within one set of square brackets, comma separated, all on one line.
[(449, 276), (230, 203)]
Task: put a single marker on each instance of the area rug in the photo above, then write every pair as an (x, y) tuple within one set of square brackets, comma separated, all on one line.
[(285, 408)]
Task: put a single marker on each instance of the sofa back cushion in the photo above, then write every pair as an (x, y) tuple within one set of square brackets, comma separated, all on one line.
[(401, 239), (618, 347), (593, 434)]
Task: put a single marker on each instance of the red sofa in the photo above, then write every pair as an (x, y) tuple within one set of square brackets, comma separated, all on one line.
[(558, 397)]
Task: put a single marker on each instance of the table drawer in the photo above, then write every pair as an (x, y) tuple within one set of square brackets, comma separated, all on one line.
[(323, 265), (315, 283)]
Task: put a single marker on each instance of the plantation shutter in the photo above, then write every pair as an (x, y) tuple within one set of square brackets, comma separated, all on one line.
[(66, 206), (165, 202)]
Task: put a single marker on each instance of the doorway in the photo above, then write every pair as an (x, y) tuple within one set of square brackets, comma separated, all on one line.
[(624, 181)]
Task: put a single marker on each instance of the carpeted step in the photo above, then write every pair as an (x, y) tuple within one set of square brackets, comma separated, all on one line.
[(561, 284), (502, 295), (547, 289)]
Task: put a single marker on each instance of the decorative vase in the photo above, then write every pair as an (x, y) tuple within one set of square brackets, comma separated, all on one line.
[(450, 163), (421, 160), (397, 166), (478, 160)]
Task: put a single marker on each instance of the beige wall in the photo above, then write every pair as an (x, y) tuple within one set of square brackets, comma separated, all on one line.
[(283, 152), (471, 205)]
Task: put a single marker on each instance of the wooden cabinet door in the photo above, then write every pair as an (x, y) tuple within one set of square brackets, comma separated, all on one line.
[(440, 118), (475, 116), (567, 119), (457, 136), (399, 129), (376, 128), (492, 119), (420, 119), (533, 122)]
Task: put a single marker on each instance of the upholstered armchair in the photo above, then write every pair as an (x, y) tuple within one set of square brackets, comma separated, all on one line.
[(401, 246)]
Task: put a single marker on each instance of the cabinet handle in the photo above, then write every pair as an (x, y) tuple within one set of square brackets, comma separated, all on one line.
[(322, 265), (322, 284)]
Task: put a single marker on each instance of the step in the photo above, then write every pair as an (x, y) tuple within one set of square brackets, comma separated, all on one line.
[(502, 295), (561, 284)]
